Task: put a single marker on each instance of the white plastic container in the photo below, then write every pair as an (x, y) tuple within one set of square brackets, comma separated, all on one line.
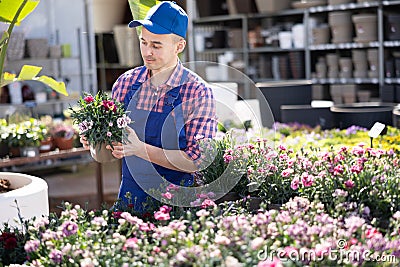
[(285, 40), (15, 93)]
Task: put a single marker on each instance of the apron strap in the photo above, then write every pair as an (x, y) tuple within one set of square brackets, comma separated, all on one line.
[(132, 91), (173, 100)]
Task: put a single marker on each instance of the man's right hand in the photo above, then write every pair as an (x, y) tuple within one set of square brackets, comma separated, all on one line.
[(84, 142)]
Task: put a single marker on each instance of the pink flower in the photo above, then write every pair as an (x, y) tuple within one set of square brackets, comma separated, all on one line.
[(172, 187), (338, 170), (207, 203), (228, 158), (287, 172), (349, 184), (109, 134), (168, 195), (307, 179), (295, 183), (282, 148), (356, 168), (130, 243), (165, 209), (268, 263), (109, 105), (163, 213), (123, 121), (161, 216), (371, 232), (89, 99)]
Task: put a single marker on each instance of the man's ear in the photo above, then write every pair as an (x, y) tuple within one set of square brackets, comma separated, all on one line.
[(181, 46)]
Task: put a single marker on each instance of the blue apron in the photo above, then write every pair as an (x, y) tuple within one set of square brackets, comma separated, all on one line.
[(159, 129)]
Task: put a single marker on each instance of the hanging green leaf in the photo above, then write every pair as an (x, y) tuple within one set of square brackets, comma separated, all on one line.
[(29, 72), (13, 12), (139, 9), (8, 9)]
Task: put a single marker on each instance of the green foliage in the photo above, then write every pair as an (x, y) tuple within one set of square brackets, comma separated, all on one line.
[(100, 119), (139, 9), (26, 133)]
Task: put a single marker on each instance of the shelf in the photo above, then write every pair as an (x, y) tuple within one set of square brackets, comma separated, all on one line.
[(392, 80), (34, 103), (51, 164), (287, 12), (221, 50), (350, 6), (113, 66), (34, 60), (219, 18), (267, 49), (273, 82), (344, 46), (391, 43), (390, 3), (258, 59), (346, 81)]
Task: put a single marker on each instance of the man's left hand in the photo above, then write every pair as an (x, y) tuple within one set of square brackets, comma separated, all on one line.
[(132, 146)]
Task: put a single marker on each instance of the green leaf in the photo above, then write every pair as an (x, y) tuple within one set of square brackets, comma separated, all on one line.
[(139, 9), (8, 9), (4, 38), (29, 72)]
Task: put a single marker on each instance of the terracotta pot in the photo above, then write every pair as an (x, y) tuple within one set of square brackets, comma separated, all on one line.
[(64, 143), (46, 145), (101, 154), (14, 152)]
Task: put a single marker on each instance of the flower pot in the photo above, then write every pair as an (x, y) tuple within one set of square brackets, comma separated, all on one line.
[(64, 143), (31, 195), (107, 13), (29, 151), (365, 27), (14, 152), (231, 196), (101, 154), (254, 203), (46, 145)]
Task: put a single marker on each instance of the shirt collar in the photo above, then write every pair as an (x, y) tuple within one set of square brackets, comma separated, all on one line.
[(175, 78), (173, 81)]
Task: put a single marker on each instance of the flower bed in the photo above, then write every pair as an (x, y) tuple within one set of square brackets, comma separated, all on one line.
[(340, 205), (300, 233)]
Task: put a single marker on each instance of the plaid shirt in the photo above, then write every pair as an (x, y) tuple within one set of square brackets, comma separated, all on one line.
[(198, 104)]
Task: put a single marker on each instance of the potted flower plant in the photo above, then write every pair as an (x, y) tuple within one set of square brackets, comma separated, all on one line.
[(102, 121), (63, 135), (27, 136)]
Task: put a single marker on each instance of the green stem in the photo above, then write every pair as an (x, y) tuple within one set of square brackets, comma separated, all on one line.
[(5, 45)]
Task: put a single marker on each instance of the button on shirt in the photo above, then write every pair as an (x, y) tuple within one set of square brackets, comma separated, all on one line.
[(198, 104)]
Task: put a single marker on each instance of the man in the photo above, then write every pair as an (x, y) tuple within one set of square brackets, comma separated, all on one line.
[(169, 104)]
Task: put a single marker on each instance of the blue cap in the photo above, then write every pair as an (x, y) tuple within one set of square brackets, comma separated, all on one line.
[(164, 18)]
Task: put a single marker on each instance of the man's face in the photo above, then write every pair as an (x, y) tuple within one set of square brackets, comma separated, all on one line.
[(159, 51)]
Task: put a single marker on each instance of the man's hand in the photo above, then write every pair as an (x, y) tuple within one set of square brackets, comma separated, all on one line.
[(84, 142), (172, 159), (132, 146)]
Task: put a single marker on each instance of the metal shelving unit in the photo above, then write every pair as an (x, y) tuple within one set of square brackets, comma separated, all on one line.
[(310, 50)]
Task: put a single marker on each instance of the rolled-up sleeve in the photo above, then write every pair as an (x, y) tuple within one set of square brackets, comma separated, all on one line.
[(201, 121)]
